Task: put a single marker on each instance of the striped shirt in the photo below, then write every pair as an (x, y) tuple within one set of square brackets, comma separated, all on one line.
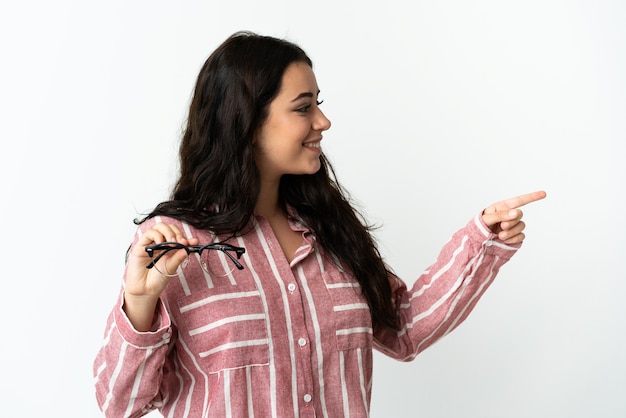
[(279, 338)]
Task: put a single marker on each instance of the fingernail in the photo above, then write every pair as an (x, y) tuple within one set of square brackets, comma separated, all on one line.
[(512, 213)]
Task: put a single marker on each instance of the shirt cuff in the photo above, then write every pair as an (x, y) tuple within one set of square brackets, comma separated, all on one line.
[(161, 331), (479, 231)]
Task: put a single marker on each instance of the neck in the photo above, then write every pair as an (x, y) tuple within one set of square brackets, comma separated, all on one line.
[(267, 203)]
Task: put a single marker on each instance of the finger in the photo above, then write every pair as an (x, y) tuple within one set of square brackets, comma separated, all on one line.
[(177, 233), (169, 231), (169, 263), (518, 201), (517, 239), (504, 225), (508, 234), (494, 218), (151, 236), (158, 234)]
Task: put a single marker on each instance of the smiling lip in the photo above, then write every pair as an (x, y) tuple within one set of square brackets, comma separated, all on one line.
[(313, 145)]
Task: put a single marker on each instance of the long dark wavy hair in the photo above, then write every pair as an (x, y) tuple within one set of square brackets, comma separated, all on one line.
[(219, 180)]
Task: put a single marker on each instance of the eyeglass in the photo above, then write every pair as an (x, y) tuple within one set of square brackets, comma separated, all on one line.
[(207, 255)]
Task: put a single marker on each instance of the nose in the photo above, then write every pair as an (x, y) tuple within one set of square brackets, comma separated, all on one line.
[(321, 122)]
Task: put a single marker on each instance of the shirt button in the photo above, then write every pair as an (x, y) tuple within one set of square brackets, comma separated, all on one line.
[(301, 342), (166, 336), (307, 398), (291, 287)]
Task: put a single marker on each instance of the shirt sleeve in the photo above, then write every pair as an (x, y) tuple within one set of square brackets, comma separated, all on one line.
[(445, 294), (129, 366)]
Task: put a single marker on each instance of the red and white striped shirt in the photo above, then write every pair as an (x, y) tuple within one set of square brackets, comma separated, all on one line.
[(281, 339)]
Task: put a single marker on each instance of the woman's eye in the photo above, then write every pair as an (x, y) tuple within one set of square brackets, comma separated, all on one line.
[(305, 109)]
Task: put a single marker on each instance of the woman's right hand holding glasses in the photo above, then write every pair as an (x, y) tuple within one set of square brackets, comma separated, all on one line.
[(143, 286)]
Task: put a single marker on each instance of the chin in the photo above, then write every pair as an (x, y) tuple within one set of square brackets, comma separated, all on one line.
[(311, 169), (315, 169)]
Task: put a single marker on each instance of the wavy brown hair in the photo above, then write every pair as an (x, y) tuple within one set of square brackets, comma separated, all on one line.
[(219, 181)]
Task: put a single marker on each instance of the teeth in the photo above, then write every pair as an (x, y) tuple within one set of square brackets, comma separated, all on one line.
[(313, 145)]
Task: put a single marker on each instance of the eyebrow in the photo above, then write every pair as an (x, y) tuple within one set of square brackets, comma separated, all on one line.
[(306, 94)]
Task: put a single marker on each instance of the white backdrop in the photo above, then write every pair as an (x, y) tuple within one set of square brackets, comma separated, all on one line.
[(438, 109)]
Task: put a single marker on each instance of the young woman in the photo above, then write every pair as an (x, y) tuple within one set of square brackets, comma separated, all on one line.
[(257, 289)]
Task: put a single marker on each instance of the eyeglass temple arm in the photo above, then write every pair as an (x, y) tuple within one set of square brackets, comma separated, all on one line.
[(239, 252), (150, 251)]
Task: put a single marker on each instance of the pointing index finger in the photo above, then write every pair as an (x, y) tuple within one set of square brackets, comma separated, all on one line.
[(518, 201)]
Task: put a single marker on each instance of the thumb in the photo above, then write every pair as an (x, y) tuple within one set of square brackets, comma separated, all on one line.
[(168, 264), (498, 216)]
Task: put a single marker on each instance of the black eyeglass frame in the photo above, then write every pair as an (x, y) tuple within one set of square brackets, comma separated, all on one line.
[(168, 246)]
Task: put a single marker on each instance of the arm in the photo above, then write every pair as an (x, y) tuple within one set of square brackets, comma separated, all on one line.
[(444, 295), (130, 365)]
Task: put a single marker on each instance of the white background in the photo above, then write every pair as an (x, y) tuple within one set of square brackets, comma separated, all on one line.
[(439, 108)]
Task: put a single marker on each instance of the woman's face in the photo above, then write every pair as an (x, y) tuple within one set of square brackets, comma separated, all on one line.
[(289, 140)]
